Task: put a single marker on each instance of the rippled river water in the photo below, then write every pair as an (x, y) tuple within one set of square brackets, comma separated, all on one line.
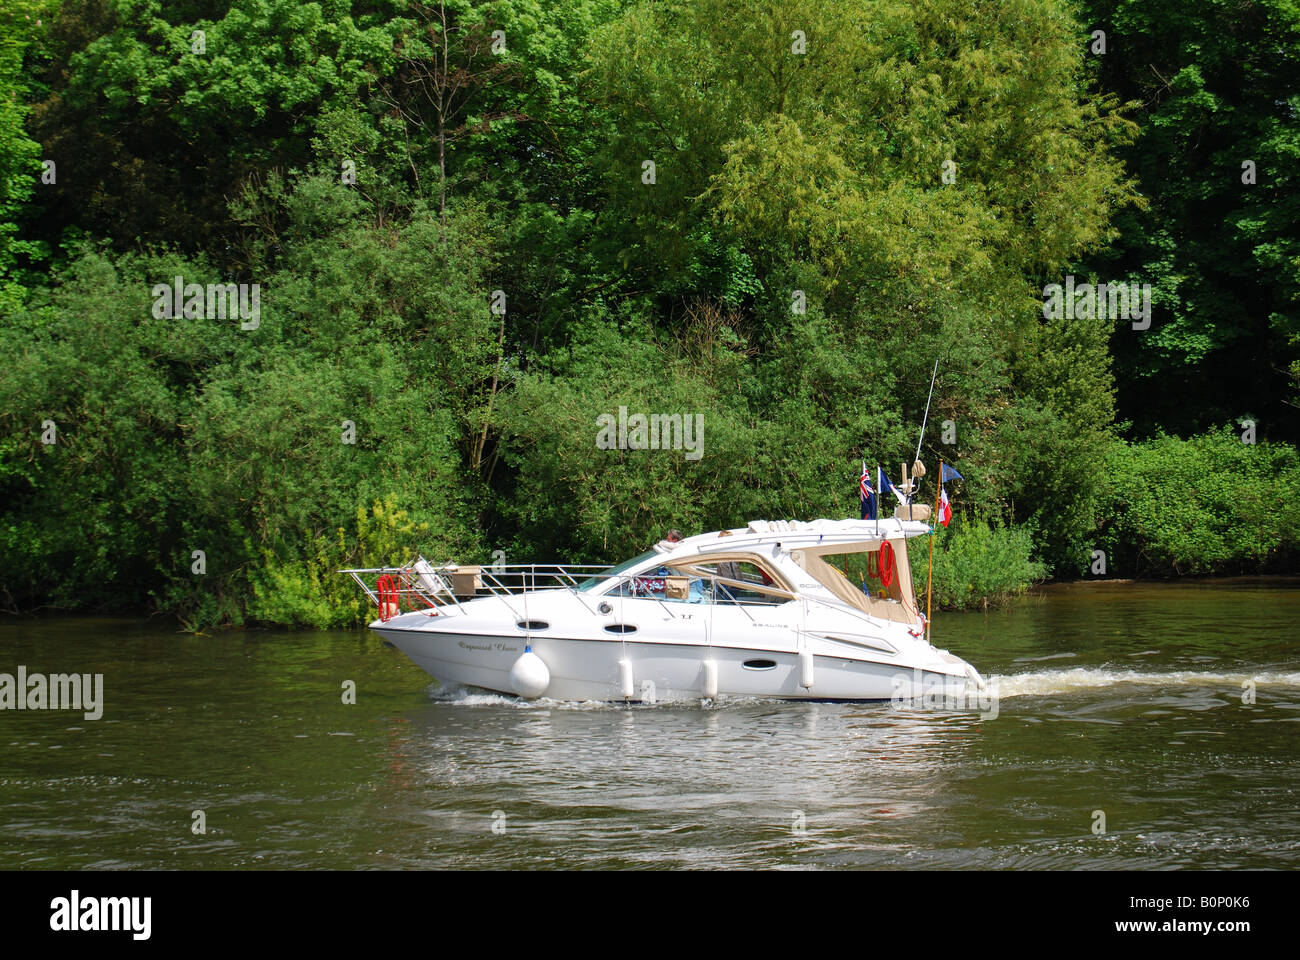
[(1114, 698)]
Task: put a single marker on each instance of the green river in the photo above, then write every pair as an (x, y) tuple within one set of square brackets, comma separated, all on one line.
[(1144, 726)]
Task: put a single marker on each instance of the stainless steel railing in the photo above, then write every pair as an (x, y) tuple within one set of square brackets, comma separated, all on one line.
[(419, 586), (423, 587)]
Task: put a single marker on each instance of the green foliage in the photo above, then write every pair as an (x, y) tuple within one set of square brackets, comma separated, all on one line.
[(883, 173), (569, 496), (1217, 83), (976, 564), (309, 592), (22, 30), (1054, 437), (838, 153), (82, 516), (155, 127), (190, 434), (1207, 505), (824, 223)]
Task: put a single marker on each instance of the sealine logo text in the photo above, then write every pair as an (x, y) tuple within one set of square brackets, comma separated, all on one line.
[(76, 913), (58, 691)]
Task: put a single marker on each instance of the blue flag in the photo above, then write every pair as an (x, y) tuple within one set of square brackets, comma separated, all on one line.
[(947, 473), (885, 486)]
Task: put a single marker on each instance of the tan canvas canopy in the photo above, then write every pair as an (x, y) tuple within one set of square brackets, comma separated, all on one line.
[(900, 605)]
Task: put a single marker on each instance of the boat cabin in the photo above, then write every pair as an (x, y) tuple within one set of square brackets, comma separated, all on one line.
[(821, 560)]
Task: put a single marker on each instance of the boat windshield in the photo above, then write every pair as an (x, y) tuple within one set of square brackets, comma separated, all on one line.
[(623, 567)]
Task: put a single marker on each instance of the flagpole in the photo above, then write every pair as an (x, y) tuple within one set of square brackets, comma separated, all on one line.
[(880, 500), (929, 577)]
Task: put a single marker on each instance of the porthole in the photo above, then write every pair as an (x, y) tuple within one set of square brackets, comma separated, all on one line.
[(532, 625), (620, 628), (759, 664)]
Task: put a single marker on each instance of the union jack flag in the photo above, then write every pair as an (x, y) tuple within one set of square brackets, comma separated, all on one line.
[(867, 494)]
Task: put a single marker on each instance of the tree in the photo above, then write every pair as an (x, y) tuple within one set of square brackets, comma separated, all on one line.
[(915, 170), (448, 66), (1220, 239), (22, 47), (157, 122)]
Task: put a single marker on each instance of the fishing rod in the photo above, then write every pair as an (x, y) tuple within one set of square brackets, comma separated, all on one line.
[(929, 576), (926, 418)]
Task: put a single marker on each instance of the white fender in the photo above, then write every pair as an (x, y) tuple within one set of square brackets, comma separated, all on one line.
[(429, 580), (710, 679), (625, 685), (806, 670), (529, 677)]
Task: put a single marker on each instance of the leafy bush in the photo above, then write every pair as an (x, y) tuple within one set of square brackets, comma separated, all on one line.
[(782, 456), (310, 592), (1210, 504), (976, 564), (184, 434)]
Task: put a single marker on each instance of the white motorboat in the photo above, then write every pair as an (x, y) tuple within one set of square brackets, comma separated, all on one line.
[(819, 610)]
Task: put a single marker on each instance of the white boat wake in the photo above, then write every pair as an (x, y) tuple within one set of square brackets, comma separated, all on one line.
[(1047, 682)]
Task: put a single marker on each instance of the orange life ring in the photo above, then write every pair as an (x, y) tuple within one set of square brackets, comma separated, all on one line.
[(389, 604), (886, 564)]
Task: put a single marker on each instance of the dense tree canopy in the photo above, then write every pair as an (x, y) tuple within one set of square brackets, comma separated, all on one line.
[(1218, 88), (478, 228)]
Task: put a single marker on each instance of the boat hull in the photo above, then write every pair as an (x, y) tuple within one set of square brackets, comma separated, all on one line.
[(594, 669)]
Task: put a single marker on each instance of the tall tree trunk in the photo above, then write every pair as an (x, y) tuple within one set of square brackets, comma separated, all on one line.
[(477, 460), (443, 105), (442, 173)]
